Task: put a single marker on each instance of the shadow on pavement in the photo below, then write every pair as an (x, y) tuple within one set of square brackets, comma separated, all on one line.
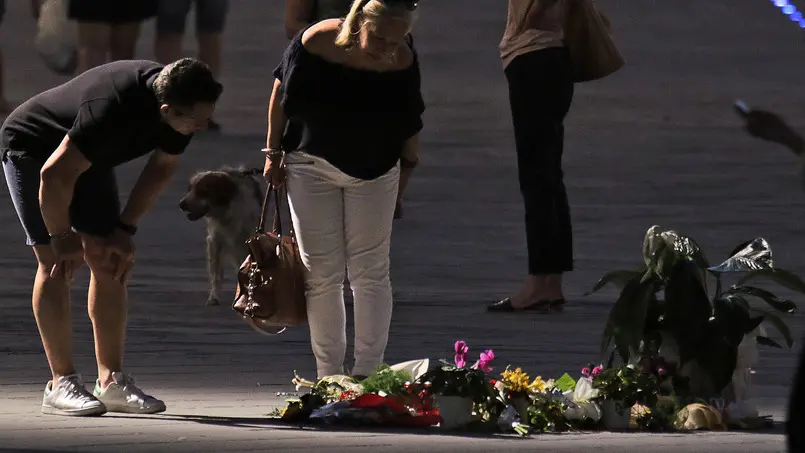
[(251, 422)]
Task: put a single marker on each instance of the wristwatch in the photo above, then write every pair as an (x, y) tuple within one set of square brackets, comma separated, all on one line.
[(131, 230), (62, 235)]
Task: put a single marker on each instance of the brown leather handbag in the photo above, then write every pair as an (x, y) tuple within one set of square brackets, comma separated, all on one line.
[(593, 53), (271, 281)]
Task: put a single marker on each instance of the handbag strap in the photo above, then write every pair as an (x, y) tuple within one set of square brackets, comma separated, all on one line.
[(263, 214), (277, 224)]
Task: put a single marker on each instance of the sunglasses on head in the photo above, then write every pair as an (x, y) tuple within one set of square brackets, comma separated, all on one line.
[(410, 5)]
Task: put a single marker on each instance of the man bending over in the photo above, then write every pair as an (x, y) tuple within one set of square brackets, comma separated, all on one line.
[(59, 150)]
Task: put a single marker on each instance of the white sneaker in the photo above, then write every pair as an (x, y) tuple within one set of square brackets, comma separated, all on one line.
[(123, 396), (70, 397)]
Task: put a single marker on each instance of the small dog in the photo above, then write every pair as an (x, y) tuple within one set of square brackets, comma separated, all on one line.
[(230, 200)]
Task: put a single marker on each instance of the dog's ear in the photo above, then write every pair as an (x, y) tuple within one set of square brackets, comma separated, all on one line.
[(219, 189)]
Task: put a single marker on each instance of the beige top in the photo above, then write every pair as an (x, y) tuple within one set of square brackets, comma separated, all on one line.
[(518, 40)]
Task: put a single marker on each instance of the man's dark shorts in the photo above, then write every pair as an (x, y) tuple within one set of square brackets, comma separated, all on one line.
[(210, 15), (95, 208)]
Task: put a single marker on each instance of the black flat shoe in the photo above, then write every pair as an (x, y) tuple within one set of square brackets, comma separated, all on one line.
[(505, 305), (557, 305)]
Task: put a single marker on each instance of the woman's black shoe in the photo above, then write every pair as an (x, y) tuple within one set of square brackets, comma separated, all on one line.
[(557, 305), (505, 305)]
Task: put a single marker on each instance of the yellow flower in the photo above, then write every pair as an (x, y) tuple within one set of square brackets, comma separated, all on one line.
[(538, 385), (515, 381)]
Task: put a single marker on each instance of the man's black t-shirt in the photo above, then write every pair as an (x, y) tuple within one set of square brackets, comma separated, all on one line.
[(110, 113)]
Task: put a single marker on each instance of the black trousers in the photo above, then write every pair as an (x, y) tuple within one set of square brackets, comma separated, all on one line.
[(540, 94), (795, 425)]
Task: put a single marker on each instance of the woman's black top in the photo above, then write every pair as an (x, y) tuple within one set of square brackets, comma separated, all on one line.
[(358, 120)]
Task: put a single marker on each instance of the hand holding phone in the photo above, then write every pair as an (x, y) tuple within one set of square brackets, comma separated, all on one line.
[(769, 126), (742, 109)]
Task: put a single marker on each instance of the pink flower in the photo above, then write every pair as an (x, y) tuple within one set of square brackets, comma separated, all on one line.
[(461, 350), (585, 371), (597, 370), (483, 362)]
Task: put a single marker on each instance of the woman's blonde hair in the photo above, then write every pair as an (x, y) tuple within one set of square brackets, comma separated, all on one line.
[(363, 11)]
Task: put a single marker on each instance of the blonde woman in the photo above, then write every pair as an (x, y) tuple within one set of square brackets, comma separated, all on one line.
[(538, 72), (299, 14), (354, 86)]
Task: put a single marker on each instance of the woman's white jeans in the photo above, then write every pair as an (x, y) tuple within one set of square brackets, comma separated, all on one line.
[(343, 227)]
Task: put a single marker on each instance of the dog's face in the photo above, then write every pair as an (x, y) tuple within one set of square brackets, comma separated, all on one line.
[(209, 193)]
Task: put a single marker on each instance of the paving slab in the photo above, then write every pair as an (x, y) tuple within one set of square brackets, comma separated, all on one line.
[(656, 143)]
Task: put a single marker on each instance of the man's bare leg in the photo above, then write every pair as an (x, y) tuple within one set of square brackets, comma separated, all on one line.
[(51, 305), (65, 394), (107, 304), (168, 46), (93, 45), (209, 51), (123, 41)]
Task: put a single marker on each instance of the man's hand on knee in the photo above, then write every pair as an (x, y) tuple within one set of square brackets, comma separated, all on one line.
[(119, 253), (68, 253), (111, 257)]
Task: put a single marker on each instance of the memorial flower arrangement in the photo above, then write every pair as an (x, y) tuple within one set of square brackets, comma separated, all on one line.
[(650, 393), (684, 354)]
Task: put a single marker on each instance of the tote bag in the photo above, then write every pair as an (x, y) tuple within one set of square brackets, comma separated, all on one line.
[(593, 53)]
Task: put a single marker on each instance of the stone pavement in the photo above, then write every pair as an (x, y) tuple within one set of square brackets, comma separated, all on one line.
[(656, 143)]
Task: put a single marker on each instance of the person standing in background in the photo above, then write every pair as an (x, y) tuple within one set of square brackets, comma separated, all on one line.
[(108, 30), (539, 73), (301, 13), (210, 23), (772, 128)]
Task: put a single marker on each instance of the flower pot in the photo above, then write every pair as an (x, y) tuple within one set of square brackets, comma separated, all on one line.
[(615, 416), (455, 411)]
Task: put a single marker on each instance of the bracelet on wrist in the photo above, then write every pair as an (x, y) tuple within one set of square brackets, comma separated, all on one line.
[(273, 153), (131, 230), (64, 234)]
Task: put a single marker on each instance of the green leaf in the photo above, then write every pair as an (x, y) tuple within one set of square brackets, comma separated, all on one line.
[(778, 303), (779, 276), (651, 242), (565, 383), (731, 319), (628, 316), (766, 341), (718, 358), (718, 286), (748, 256), (686, 247), (687, 309), (656, 254), (619, 278), (778, 324)]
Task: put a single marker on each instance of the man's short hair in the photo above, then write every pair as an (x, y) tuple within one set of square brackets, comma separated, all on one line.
[(185, 83)]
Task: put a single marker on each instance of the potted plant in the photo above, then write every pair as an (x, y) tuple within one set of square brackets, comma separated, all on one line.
[(619, 389), (457, 389), (664, 306)]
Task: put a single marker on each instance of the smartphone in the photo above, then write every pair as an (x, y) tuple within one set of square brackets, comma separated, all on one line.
[(741, 108)]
